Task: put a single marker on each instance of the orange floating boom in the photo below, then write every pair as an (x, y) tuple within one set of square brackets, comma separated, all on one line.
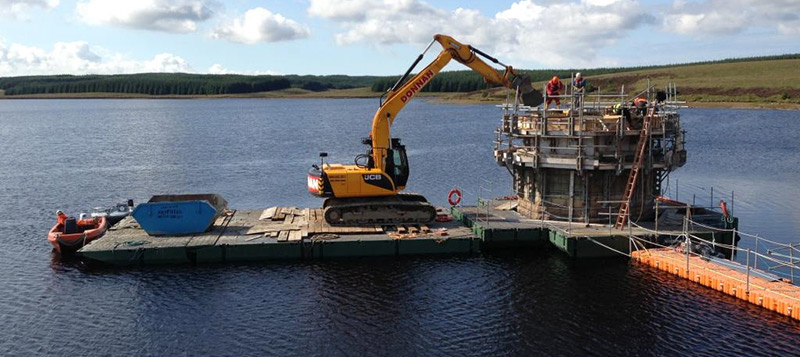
[(780, 296)]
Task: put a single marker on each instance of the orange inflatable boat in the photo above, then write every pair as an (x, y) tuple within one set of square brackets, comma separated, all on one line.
[(73, 234)]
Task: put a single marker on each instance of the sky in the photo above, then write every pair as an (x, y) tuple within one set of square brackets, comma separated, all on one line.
[(379, 37)]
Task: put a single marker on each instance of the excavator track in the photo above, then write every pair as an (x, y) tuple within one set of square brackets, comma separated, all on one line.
[(398, 209)]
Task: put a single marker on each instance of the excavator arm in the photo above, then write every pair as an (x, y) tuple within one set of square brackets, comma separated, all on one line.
[(369, 193), (402, 92)]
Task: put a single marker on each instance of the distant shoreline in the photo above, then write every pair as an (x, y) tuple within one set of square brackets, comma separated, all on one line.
[(443, 98), (760, 83)]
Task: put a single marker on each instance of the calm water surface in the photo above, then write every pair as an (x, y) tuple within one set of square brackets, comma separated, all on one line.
[(76, 154)]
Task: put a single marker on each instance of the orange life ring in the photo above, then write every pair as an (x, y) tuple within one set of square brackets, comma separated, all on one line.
[(450, 198)]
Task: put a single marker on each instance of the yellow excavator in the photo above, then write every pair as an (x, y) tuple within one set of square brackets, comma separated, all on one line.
[(367, 192)]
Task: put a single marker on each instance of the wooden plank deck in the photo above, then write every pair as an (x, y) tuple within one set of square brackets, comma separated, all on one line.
[(272, 233)]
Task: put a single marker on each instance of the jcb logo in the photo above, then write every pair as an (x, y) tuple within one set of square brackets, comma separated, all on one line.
[(372, 177)]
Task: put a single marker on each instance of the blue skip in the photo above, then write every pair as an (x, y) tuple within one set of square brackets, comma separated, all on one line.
[(179, 214)]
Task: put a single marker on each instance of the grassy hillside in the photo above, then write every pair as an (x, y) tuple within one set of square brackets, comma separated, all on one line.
[(757, 83)]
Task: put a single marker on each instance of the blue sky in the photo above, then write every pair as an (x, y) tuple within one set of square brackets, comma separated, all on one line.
[(379, 37)]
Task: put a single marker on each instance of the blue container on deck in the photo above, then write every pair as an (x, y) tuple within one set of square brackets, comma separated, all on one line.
[(179, 214)]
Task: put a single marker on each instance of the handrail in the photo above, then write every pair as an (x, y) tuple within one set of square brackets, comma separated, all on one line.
[(784, 245), (690, 253), (778, 263)]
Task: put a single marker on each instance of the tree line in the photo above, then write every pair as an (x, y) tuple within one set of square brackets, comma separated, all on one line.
[(455, 81), (175, 83), (147, 83)]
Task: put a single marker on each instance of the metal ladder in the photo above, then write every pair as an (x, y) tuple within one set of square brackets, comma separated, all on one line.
[(638, 159)]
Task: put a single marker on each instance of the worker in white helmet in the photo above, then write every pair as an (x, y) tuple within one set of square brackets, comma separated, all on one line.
[(579, 82), (578, 87)]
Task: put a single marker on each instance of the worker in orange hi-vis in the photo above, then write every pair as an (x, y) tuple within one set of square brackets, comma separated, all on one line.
[(640, 104), (553, 89), (62, 217)]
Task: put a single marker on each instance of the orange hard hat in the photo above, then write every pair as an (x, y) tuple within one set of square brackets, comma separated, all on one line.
[(554, 80)]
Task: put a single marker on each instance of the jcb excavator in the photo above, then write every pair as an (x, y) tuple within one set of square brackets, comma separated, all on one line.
[(367, 192)]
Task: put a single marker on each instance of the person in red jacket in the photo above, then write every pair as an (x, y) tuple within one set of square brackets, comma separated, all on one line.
[(61, 216), (554, 87)]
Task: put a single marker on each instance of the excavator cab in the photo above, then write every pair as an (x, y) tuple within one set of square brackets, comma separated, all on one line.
[(397, 163)]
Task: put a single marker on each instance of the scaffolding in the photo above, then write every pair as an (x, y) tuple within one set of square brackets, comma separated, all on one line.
[(573, 163)]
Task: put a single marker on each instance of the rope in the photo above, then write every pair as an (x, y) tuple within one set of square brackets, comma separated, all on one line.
[(639, 240), (137, 253), (791, 246), (677, 242), (607, 247), (790, 265), (663, 233), (324, 237), (710, 227), (732, 247)]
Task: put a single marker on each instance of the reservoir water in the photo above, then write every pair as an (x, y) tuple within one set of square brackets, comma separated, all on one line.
[(77, 154)]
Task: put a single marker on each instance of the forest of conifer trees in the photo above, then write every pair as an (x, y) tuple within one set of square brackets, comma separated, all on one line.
[(207, 84)]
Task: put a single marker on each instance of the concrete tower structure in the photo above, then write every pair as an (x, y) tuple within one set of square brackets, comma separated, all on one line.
[(575, 164)]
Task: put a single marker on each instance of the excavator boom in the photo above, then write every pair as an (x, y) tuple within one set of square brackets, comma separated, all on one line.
[(368, 191), (402, 93)]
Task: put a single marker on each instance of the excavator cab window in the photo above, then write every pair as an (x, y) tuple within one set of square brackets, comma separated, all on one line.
[(398, 163), (366, 160)]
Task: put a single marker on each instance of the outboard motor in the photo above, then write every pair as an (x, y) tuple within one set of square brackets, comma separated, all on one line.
[(71, 225)]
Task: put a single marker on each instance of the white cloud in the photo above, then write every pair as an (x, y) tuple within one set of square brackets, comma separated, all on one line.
[(566, 34), (180, 16), (261, 25), (19, 8), (79, 58), (349, 10), (386, 21), (720, 17), (790, 29), (167, 62), (554, 33), (220, 69)]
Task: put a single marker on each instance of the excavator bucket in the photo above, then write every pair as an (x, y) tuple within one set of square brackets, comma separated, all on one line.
[(523, 83), (533, 98), (530, 97)]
